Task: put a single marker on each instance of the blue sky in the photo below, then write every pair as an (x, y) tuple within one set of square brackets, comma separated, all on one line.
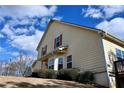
[(21, 27)]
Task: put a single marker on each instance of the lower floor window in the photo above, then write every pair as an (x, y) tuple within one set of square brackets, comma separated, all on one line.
[(51, 67), (60, 66), (51, 64), (69, 65), (69, 61), (60, 63)]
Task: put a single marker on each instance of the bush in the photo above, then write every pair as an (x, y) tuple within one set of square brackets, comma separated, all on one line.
[(51, 74), (34, 74), (68, 74), (86, 77), (47, 73)]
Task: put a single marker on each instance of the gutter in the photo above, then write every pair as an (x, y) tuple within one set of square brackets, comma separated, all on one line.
[(111, 38)]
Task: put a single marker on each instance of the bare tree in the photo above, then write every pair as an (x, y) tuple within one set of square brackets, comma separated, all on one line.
[(18, 66), (1, 66), (23, 64), (5, 69)]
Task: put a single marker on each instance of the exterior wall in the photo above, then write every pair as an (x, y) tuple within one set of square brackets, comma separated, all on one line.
[(102, 78), (85, 46), (110, 47), (37, 66)]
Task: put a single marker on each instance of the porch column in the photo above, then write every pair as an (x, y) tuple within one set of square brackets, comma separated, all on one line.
[(56, 63)]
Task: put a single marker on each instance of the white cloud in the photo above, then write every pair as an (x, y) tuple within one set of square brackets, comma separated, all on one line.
[(114, 26), (22, 21), (7, 31), (58, 18), (27, 42), (1, 36), (92, 12), (27, 11), (31, 28), (52, 10), (21, 31), (105, 12), (112, 10), (23, 41), (44, 21)]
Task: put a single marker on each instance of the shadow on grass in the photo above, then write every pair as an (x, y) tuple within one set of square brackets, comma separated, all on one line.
[(49, 84), (28, 85), (2, 85), (72, 84)]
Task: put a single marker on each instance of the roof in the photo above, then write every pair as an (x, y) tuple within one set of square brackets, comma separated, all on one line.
[(105, 34)]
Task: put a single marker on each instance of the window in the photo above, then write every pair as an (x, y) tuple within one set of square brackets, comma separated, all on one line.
[(44, 50), (123, 54), (51, 64), (69, 61), (58, 41), (119, 54), (60, 64)]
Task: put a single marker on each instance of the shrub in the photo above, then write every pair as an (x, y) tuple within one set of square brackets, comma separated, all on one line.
[(51, 74), (47, 73), (86, 77), (68, 74), (34, 74)]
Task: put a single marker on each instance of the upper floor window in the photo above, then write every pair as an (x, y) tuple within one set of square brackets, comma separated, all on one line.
[(119, 54), (69, 61), (58, 41), (44, 50)]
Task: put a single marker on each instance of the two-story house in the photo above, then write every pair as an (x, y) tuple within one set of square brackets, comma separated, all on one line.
[(66, 45)]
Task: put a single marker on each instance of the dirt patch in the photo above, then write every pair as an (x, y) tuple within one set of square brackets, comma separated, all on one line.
[(27, 82)]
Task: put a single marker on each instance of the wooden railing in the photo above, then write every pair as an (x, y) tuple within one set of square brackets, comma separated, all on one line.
[(119, 67)]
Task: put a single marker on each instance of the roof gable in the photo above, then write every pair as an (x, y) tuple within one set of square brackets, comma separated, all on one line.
[(106, 35)]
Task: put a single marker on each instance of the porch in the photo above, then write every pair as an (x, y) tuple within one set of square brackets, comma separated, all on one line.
[(119, 73), (55, 59)]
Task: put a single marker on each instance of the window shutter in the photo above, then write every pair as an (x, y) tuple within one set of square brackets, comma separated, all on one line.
[(60, 39), (54, 43)]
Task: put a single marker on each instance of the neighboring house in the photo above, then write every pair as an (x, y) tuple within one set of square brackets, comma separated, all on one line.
[(66, 45)]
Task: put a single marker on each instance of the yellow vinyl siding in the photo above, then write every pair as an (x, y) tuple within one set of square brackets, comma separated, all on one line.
[(85, 46), (110, 46)]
